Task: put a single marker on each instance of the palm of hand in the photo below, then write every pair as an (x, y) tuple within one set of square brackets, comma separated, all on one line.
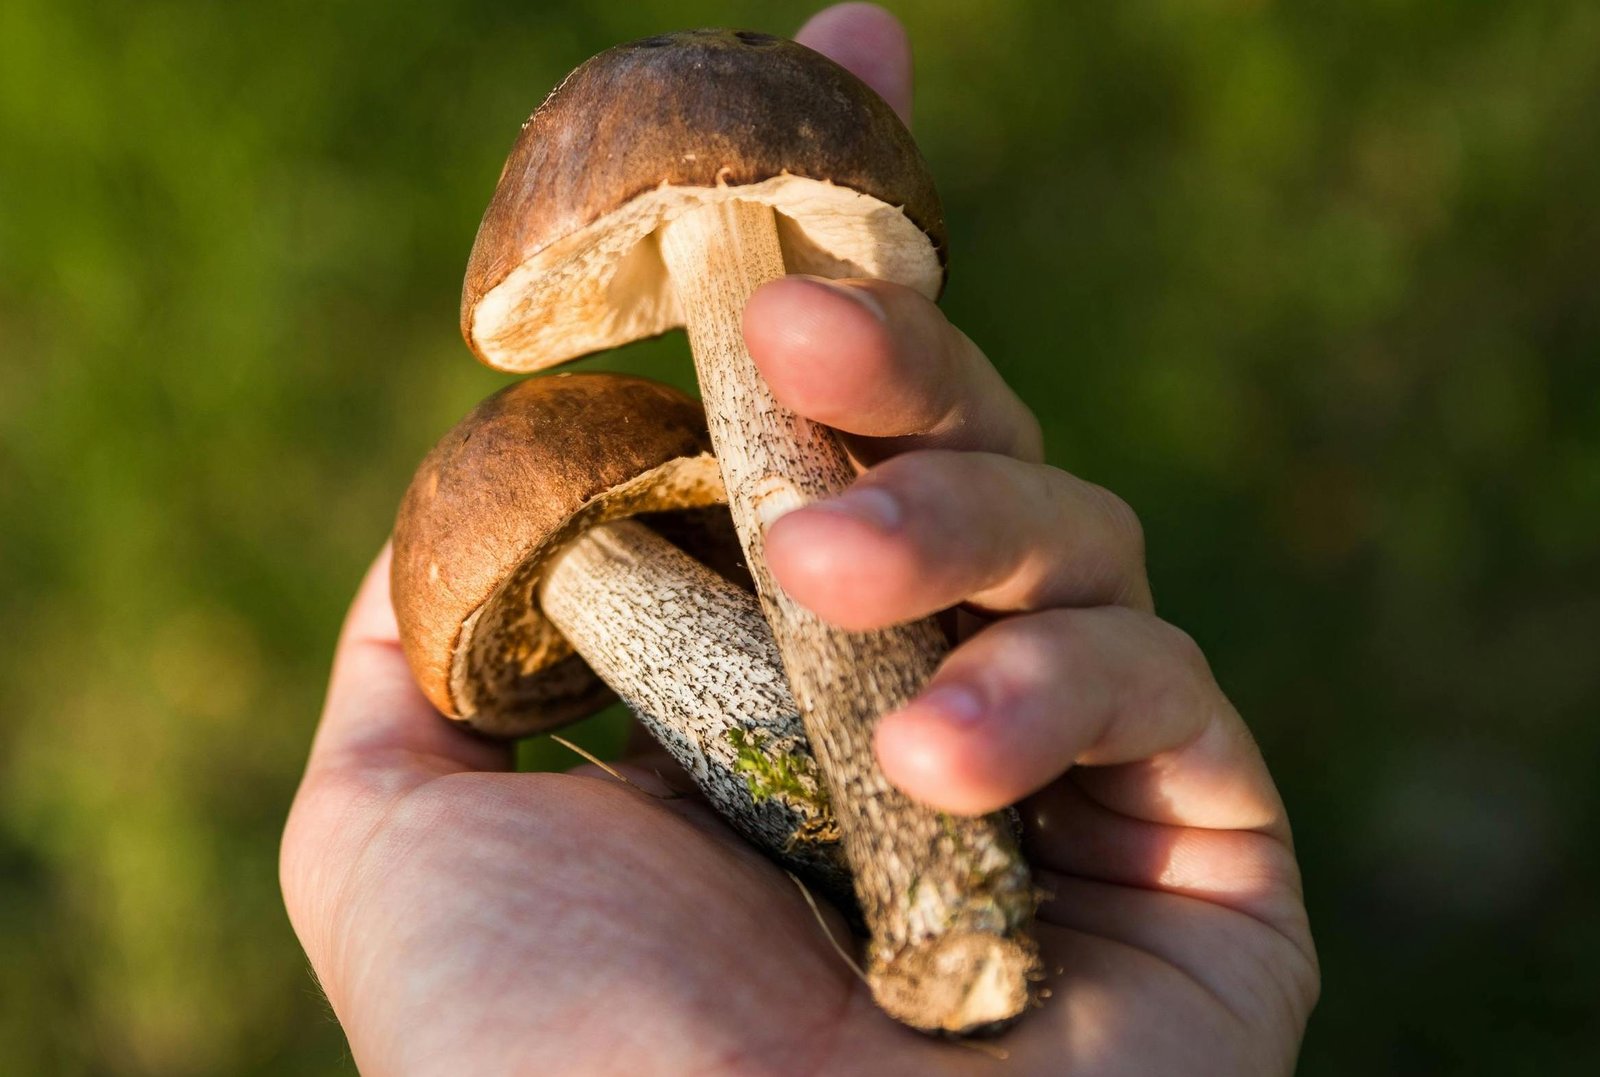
[(547, 923)]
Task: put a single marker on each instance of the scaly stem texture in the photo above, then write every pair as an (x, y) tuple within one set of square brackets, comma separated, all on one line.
[(689, 653), (948, 899)]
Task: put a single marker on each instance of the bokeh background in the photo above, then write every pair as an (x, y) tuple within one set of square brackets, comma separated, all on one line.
[(1314, 286)]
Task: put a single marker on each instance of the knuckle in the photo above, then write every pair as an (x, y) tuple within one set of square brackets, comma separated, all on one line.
[(1028, 439), (1093, 538), (1184, 685), (1186, 653), (1126, 547), (1124, 522)]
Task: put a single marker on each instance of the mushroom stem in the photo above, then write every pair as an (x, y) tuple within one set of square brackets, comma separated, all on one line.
[(689, 652), (948, 899)]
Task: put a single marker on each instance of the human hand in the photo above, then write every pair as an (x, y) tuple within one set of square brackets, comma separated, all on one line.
[(463, 919)]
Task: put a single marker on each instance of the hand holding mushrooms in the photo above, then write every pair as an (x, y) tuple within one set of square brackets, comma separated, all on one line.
[(463, 918), (660, 184)]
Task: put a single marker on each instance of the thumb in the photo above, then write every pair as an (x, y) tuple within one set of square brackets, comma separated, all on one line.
[(870, 43)]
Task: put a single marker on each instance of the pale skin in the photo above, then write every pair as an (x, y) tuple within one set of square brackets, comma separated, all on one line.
[(465, 919)]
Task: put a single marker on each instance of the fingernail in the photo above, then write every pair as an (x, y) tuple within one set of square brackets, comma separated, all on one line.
[(956, 704), (775, 498), (869, 504), (852, 292)]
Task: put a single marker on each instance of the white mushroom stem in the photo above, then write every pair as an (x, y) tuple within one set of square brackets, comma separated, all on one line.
[(948, 899), (689, 652)]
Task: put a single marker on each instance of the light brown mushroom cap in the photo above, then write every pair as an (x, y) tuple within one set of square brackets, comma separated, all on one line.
[(526, 471), (566, 262)]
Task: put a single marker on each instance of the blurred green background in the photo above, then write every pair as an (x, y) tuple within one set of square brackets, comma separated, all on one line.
[(1313, 286)]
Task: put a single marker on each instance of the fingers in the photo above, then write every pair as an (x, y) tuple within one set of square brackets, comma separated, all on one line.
[(928, 530), (1069, 833), (1189, 935), (880, 361), (376, 720), (870, 43), (1110, 689)]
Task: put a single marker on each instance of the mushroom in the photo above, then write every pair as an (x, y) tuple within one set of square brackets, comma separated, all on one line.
[(658, 186), (517, 578)]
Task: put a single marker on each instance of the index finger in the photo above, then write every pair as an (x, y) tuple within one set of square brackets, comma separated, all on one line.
[(881, 363)]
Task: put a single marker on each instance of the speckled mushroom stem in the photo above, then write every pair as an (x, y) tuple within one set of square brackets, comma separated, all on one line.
[(948, 899), (689, 653)]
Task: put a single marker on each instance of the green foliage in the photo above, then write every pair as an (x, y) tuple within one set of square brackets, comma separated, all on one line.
[(1313, 286), (790, 777)]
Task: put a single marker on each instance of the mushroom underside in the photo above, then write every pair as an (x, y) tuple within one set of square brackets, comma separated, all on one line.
[(512, 673), (605, 284)]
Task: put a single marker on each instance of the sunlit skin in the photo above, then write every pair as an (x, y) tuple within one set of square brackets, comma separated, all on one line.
[(465, 919)]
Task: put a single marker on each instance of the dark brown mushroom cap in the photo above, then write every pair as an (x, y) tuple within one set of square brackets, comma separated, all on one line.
[(527, 470), (563, 264)]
